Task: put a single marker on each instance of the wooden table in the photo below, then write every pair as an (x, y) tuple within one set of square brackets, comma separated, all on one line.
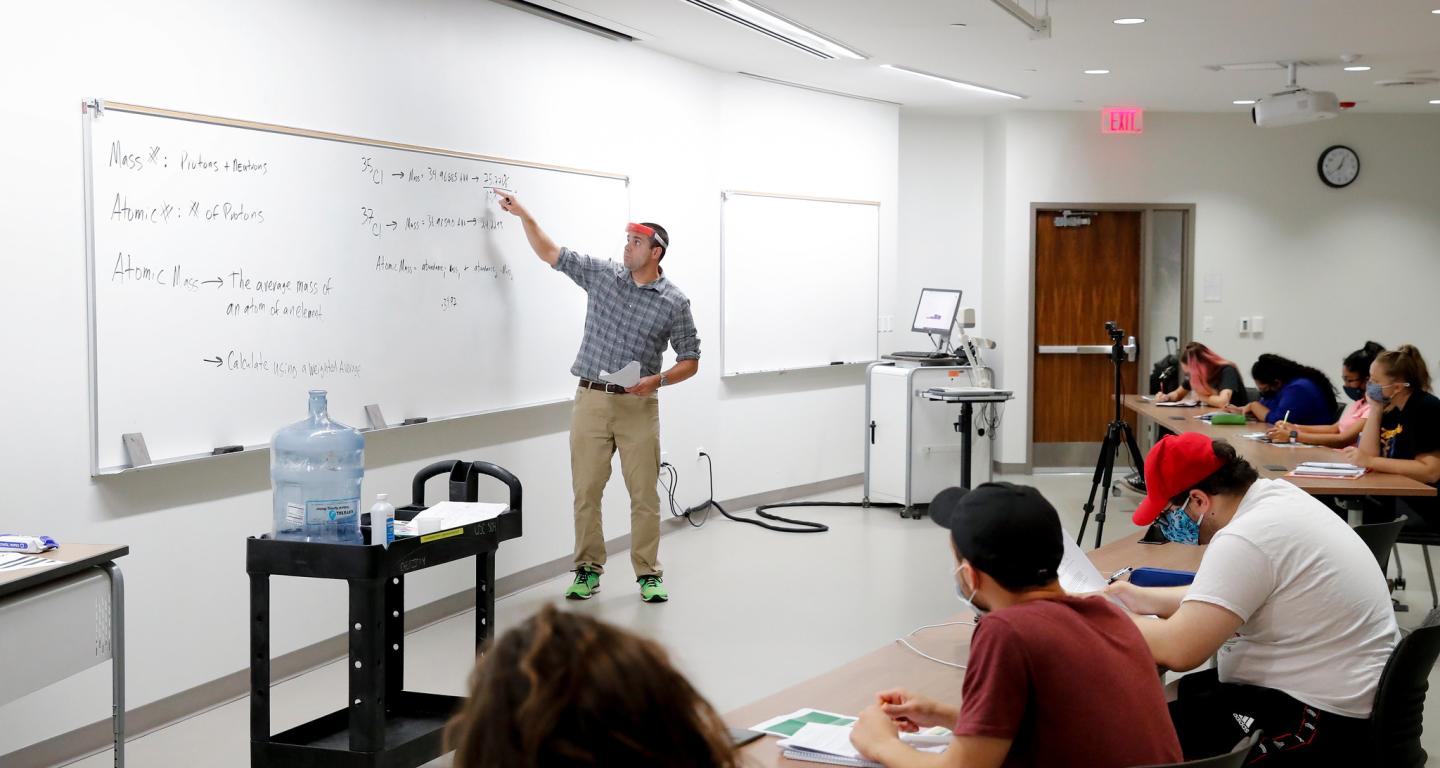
[(1266, 457), (48, 623), (852, 687)]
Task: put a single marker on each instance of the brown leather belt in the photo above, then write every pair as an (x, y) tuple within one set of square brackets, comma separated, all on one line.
[(614, 389)]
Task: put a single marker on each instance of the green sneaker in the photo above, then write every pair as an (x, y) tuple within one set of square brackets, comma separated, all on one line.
[(586, 584), (652, 590)]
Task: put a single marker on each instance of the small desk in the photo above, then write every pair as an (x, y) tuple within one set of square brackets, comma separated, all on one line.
[(852, 687), (967, 420), (66, 645), (1264, 455)]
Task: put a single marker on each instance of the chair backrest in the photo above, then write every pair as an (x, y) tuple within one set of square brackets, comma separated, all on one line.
[(1235, 758), (1380, 538), (1395, 723)]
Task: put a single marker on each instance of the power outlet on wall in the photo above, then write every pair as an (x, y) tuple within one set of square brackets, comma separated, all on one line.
[(1244, 325), (699, 452)]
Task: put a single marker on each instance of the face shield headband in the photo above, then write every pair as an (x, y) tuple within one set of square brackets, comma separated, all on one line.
[(641, 229)]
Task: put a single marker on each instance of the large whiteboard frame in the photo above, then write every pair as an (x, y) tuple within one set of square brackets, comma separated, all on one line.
[(727, 357), (91, 108)]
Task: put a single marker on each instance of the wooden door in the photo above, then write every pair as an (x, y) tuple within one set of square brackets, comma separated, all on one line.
[(1084, 276)]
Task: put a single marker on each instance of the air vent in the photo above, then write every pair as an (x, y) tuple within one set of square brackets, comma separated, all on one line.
[(568, 20), (1406, 82)]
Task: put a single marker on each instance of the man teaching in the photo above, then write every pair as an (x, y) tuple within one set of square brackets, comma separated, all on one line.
[(633, 311)]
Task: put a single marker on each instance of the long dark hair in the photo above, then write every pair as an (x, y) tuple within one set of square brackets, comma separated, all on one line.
[(1359, 361), (563, 689), (1268, 368)]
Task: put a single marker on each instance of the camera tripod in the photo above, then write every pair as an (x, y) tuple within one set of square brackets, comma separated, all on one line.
[(1117, 430)]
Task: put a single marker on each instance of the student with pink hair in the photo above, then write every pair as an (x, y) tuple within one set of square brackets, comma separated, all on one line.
[(1214, 380)]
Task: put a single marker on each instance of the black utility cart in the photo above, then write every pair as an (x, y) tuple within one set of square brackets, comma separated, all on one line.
[(382, 726)]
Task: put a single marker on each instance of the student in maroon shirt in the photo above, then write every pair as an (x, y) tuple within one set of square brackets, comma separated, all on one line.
[(1052, 680)]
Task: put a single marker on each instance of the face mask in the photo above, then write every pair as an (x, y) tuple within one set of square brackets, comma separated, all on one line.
[(1179, 527), (1377, 393), (967, 601), (1354, 393)]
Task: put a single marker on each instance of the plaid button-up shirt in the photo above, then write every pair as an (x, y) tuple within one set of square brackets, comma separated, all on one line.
[(625, 321)]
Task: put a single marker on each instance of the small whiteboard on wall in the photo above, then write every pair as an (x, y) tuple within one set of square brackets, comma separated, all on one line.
[(799, 282)]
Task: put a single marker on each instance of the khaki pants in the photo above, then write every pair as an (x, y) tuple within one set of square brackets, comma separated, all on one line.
[(600, 424)]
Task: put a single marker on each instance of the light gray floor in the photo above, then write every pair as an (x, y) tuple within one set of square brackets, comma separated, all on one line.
[(752, 612)]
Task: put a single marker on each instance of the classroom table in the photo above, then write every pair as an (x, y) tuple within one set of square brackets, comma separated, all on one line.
[(1276, 461), (49, 620), (852, 687)]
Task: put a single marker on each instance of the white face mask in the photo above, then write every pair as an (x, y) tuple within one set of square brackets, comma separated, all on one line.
[(969, 602)]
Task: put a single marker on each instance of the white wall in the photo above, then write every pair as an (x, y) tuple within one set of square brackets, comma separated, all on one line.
[(1327, 268), (942, 174), (448, 73)]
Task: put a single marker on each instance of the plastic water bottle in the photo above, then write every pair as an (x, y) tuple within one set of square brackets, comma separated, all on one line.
[(315, 470), (382, 521)]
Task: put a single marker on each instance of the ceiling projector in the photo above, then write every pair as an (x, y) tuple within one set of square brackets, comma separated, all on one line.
[(1295, 107)]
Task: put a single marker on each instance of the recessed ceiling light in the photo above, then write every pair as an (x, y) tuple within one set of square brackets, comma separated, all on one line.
[(1436, 11), (1435, 101), (1097, 71), (1357, 68), (1129, 21), (1243, 101)]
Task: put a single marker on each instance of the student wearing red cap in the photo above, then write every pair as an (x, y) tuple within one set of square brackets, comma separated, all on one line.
[(1052, 680), (633, 313), (1287, 595)]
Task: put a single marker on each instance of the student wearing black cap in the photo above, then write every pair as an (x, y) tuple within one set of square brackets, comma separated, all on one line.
[(1052, 679)]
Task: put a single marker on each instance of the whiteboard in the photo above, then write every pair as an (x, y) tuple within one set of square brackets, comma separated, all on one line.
[(799, 282), (233, 266)]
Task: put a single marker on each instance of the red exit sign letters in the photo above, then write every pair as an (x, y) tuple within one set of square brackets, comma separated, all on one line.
[(1122, 120)]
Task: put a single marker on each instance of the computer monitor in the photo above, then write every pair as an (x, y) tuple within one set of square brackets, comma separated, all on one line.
[(936, 311)]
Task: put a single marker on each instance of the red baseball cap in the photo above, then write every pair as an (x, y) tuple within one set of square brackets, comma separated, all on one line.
[(1176, 463)]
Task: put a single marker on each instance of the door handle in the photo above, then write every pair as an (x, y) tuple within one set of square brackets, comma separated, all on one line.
[(1086, 349), (872, 432)]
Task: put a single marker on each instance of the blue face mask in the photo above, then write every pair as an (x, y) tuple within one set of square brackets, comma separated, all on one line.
[(968, 601), (1178, 526), (1354, 393), (1377, 393)]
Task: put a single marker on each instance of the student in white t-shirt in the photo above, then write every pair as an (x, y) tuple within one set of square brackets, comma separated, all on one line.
[(1288, 597)]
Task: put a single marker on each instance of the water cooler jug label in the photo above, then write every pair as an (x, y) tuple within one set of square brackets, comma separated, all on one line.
[(295, 514), (330, 511)]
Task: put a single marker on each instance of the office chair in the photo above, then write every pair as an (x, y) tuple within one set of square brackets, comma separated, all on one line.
[(1396, 721), (1381, 538), (1425, 537), (1235, 758)]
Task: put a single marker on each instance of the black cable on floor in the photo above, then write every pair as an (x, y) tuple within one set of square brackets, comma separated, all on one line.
[(795, 526)]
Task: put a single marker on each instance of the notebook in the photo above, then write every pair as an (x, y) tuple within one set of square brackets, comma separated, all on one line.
[(1328, 469)]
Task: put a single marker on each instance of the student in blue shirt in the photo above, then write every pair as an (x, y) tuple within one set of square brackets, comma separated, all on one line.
[(1287, 387)]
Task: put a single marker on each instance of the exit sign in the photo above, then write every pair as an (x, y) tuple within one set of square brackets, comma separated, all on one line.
[(1122, 120)]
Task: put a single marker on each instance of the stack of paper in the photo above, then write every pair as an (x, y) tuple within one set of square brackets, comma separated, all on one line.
[(1179, 404), (1328, 469), (1264, 437), (830, 744)]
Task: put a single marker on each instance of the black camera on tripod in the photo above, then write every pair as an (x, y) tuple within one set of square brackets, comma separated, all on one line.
[(1117, 434)]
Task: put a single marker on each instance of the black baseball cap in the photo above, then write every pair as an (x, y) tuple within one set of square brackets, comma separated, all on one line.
[(1008, 531)]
